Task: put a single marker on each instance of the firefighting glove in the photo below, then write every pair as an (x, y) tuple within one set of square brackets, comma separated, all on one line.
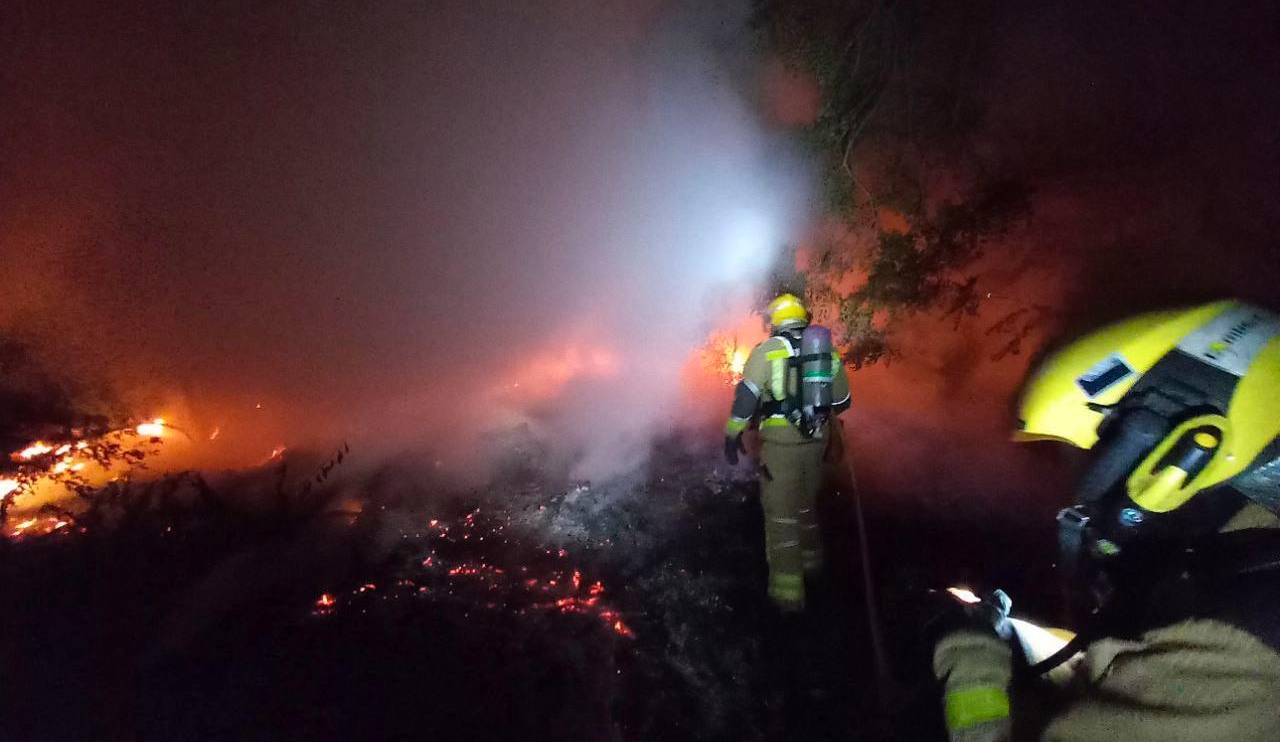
[(948, 613), (732, 446)]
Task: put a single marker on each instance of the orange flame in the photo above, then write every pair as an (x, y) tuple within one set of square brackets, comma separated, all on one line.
[(40, 462), (726, 358), (152, 429), (39, 448)]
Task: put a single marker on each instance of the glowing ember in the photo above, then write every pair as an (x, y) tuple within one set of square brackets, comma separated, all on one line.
[(539, 587), (325, 605), (7, 486)]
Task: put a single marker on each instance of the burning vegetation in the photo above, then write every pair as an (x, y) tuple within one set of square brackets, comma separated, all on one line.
[(627, 610), (725, 357), (77, 465)]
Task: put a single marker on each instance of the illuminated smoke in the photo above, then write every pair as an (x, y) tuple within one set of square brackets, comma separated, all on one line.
[(401, 225)]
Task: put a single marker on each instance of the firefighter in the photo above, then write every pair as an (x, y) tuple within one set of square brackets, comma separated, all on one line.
[(1173, 542), (778, 375)]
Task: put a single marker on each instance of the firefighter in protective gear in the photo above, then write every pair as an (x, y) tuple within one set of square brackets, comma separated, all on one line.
[(1174, 540), (792, 446)]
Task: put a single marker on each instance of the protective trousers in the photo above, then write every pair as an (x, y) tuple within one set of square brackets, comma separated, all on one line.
[(790, 477)]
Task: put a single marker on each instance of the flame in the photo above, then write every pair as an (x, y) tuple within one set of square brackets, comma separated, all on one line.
[(38, 526), (964, 595), (67, 462), (39, 448), (152, 429), (725, 357), (737, 361)]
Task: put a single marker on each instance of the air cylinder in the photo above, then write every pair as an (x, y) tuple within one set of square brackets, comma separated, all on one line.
[(817, 369)]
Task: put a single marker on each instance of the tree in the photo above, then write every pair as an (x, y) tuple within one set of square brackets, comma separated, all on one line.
[(899, 114)]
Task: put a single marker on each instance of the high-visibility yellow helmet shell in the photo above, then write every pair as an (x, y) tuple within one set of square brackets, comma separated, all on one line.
[(1060, 401), (1211, 372), (787, 311)]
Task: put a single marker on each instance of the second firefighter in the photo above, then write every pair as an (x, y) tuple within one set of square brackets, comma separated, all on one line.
[(793, 384)]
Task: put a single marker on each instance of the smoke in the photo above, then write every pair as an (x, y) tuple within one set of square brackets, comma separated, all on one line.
[(410, 224), (401, 225)]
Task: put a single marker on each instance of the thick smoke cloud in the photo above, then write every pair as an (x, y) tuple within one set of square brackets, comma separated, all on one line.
[(400, 225)]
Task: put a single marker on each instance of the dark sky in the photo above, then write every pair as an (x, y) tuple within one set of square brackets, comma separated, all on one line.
[(1148, 131), (375, 221)]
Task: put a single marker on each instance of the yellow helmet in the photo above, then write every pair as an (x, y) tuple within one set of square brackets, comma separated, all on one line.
[(1170, 404), (787, 311)]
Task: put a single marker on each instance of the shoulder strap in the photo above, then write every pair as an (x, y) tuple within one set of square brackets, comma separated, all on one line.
[(792, 343)]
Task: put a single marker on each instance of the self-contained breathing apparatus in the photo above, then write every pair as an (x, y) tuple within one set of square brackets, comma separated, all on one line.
[(807, 397)]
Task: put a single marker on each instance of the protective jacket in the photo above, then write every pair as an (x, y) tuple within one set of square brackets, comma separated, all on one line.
[(767, 380), (1197, 658), (790, 463)]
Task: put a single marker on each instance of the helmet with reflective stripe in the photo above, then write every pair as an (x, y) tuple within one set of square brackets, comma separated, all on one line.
[(1170, 404), (787, 311)]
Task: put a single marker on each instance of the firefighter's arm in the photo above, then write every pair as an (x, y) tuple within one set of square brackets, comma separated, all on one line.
[(748, 393), (841, 398), (975, 668), (1198, 679)]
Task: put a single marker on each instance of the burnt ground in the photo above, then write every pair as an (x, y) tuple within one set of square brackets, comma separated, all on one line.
[(535, 608)]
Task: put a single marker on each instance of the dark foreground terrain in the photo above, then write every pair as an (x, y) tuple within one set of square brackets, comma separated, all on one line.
[(535, 608)]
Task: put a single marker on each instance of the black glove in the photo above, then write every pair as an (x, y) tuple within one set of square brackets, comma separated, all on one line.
[(732, 445)]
